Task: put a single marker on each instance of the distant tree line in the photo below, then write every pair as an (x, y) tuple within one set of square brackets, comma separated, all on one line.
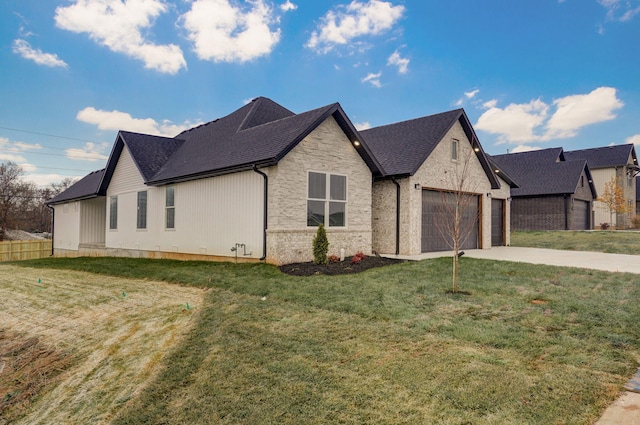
[(22, 203)]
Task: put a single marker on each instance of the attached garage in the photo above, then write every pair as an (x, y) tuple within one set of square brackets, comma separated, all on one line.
[(437, 217)]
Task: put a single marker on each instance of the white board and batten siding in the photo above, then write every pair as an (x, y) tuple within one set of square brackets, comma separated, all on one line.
[(212, 215), (601, 212), (67, 231), (92, 221)]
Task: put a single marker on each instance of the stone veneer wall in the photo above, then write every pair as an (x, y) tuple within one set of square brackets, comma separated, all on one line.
[(327, 150), (434, 173)]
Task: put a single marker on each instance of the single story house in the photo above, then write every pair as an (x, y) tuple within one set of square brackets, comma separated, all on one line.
[(553, 193), (256, 183), (612, 162)]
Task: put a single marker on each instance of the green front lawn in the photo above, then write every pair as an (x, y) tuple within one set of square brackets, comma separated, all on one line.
[(614, 242), (531, 344)]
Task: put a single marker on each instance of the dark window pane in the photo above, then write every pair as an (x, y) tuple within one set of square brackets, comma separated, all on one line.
[(337, 214), (317, 186), (142, 210), (113, 213), (170, 193), (338, 188), (315, 213), (171, 218)]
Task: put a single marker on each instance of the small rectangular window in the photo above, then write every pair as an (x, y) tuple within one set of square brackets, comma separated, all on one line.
[(170, 207), (142, 210), (113, 213), (581, 181), (454, 150)]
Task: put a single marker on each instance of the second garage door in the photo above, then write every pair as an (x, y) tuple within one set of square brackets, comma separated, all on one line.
[(435, 220), (581, 215)]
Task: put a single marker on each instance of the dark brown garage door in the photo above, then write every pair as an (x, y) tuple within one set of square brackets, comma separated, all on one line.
[(435, 220), (580, 215), (497, 222)]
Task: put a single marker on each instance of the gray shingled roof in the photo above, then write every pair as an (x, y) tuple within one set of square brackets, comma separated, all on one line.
[(542, 172), (401, 148), (604, 157), (85, 188)]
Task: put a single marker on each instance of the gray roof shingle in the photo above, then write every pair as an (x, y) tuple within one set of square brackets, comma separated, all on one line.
[(85, 188), (604, 157), (541, 172)]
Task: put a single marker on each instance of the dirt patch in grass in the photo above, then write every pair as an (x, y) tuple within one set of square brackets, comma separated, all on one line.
[(26, 366), (80, 345), (338, 267)]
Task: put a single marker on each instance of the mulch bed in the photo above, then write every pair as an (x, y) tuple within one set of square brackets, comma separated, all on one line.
[(339, 267)]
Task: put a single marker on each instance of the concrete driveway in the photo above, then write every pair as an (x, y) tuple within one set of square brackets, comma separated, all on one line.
[(553, 257)]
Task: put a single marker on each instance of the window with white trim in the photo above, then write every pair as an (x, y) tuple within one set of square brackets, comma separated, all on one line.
[(170, 207), (326, 200), (113, 213), (142, 210), (454, 150)]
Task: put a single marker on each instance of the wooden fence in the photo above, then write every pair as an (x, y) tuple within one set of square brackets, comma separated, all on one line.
[(25, 250)]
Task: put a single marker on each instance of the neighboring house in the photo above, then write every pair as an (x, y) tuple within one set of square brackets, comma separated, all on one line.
[(618, 162), (256, 183), (553, 193)]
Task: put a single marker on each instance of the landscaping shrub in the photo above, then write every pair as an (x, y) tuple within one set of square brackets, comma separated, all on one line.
[(320, 246)]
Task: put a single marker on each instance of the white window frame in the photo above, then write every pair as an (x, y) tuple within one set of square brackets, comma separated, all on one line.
[(327, 199)]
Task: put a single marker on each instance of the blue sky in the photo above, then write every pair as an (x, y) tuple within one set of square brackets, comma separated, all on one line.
[(529, 73)]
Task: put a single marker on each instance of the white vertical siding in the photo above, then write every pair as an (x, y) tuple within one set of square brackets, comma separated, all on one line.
[(600, 179), (211, 215), (67, 230), (93, 221)]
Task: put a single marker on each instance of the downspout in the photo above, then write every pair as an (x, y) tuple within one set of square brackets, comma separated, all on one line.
[(53, 222), (393, 179), (264, 219)]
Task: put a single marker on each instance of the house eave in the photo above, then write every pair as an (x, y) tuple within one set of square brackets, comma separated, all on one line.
[(214, 173)]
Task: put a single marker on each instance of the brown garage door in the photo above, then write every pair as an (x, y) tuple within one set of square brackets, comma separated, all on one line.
[(435, 219), (497, 222), (580, 215)]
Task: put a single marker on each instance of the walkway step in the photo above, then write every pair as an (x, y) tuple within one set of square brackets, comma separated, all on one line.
[(634, 383)]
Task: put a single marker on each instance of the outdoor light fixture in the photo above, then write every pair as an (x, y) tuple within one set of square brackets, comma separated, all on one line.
[(417, 186), (488, 194), (477, 149), (356, 143)]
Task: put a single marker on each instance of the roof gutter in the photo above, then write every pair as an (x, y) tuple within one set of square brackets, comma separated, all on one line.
[(265, 216), (393, 179)]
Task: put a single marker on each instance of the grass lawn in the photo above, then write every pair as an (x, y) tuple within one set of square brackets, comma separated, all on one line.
[(530, 345), (613, 242)]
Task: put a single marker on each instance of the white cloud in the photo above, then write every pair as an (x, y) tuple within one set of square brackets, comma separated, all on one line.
[(116, 120), (515, 123), (620, 10), (44, 180), (524, 148), (633, 139), (344, 23), (373, 79), (119, 26), (400, 62), (223, 32), (287, 6), (576, 111), (362, 125), (90, 152), (527, 122), (24, 49), (471, 94)]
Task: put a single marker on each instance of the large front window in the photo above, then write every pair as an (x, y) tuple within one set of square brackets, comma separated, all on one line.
[(327, 200)]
